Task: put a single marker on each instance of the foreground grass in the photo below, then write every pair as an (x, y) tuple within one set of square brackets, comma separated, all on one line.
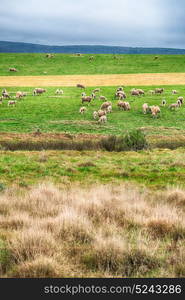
[(61, 114), (63, 64), (155, 169), (99, 231)]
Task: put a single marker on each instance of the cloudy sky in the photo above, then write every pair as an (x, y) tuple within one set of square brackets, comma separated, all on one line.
[(145, 23)]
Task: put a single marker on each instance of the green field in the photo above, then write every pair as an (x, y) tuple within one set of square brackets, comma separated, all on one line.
[(61, 114), (91, 213), (63, 64)]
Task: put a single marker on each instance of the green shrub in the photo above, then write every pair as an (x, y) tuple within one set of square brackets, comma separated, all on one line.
[(132, 141)]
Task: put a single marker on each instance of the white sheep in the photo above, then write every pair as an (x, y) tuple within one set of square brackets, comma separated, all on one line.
[(102, 119), (145, 108), (12, 102), (82, 110), (95, 115)]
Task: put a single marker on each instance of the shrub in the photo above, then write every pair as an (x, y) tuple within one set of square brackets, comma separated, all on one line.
[(132, 141)]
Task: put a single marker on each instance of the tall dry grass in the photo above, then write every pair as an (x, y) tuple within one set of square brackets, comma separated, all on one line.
[(103, 230)]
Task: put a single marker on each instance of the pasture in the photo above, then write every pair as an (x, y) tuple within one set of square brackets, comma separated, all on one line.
[(84, 211), (51, 113), (69, 64)]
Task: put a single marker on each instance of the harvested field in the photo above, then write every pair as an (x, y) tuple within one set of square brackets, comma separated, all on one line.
[(146, 79)]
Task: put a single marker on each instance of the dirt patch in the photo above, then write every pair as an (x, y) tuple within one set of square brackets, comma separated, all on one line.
[(95, 80)]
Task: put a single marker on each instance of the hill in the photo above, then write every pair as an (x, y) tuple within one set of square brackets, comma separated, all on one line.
[(15, 47)]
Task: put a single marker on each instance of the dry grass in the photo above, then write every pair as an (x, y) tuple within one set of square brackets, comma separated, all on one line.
[(95, 80), (103, 230)]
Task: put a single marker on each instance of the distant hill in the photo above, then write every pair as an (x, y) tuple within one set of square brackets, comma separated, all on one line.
[(14, 47)]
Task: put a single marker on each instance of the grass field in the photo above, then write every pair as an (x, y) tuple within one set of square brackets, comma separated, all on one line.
[(82, 213), (63, 64), (61, 114)]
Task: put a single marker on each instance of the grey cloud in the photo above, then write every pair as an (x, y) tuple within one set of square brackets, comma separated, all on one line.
[(120, 22)]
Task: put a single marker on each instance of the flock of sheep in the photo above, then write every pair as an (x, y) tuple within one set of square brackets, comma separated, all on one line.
[(120, 94), (106, 106)]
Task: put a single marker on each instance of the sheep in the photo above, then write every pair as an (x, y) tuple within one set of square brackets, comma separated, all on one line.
[(39, 91), (5, 94), (83, 94), (174, 92), (81, 86), (120, 95), (123, 105), (101, 113), (102, 98), (12, 69), (179, 103), (181, 99), (91, 57), (109, 109), (48, 55), (105, 105), (135, 92), (82, 110), (102, 119), (95, 115), (173, 106), (163, 102), (93, 96), (155, 110), (97, 90), (151, 92), (159, 90), (120, 88), (19, 95), (141, 92), (59, 92), (145, 108), (12, 102), (86, 99)]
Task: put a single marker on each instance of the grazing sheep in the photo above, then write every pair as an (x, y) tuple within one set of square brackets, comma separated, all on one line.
[(12, 69), (95, 115), (39, 91), (105, 105), (93, 96), (5, 94), (103, 98), (12, 102), (179, 103), (159, 90), (155, 110), (49, 55), (97, 90), (123, 105), (101, 113), (163, 102), (134, 92), (173, 106), (19, 95), (120, 95), (145, 108), (151, 92), (102, 119), (82, 110), (86, 99), (174, 92), (81, 86), (141, 92), (120, 88), (59, 92), (109, 109), (91, 57), (181, 99)]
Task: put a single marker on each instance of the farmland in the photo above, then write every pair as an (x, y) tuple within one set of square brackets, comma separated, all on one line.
[(71, 204)]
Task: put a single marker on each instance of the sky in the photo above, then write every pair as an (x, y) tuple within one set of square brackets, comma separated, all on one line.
[(134, 23)]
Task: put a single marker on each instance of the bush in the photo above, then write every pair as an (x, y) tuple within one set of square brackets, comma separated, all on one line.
[(132, 141)]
